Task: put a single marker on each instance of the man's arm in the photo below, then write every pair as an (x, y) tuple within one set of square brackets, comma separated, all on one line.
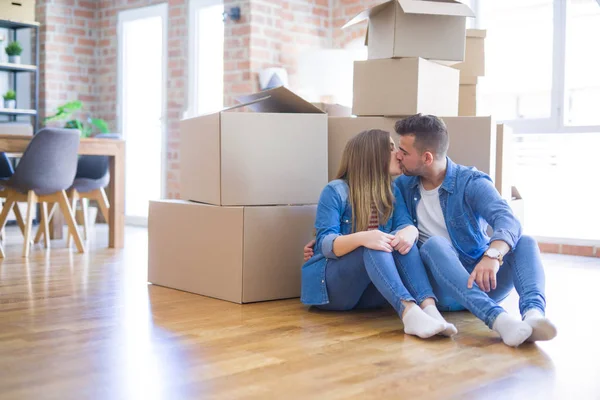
[(484, 200)]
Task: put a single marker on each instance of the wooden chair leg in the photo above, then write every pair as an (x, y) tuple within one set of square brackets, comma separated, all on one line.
[(84, 209), (31, 202), (41, 228), (68, 213), (8, 205), (73, 197), (19, 218), (44, 224), (102, 200)]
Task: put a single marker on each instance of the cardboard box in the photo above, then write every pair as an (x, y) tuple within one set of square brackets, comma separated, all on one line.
[(518, 205), (238, 254), (472, 139), (504, 160), (473, 142), (433, 29), (18, 10), (342, 129), (334, 110), (474, 64), (277, 155), (406, 86), (467, 97)]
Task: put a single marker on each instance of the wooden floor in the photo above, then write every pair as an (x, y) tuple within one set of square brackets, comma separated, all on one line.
[(90, 327)]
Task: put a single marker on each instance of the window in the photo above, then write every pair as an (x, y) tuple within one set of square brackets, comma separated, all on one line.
[(518, 82), (582, 70), (555, 174), (542, 80), (207, 36)]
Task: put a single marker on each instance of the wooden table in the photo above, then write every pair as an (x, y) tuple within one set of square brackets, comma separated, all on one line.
[(115, 150)]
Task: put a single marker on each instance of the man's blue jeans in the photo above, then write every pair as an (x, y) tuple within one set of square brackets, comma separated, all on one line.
[(366, 278), (522, 269)]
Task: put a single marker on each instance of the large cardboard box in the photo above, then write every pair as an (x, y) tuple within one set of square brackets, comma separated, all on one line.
[(433, 29), (473, 142), (342, 129), (18, 10), (472, 139), (474, 64), (238, 254), (467, 97), (276, 155), (504, 160), (406, 86), (334, 110)]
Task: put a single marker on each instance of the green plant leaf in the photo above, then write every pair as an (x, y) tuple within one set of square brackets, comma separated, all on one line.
[(64, 111), (101, 124)]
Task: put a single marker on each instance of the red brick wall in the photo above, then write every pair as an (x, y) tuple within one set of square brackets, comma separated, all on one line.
[(271, 34), (68, 39)]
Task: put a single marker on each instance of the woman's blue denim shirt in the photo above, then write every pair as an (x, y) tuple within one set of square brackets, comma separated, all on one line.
[(334, 218)]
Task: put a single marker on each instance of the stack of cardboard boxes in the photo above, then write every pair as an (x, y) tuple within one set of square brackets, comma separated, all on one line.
[(251, 181), (470, 70), (420, 57)]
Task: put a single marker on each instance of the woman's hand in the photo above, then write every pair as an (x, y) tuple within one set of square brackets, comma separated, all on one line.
[(377, 240), (405, 239), (309, 250)]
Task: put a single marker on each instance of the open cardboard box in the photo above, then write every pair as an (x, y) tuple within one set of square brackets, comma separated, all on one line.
[(431, 29), (275, 155)]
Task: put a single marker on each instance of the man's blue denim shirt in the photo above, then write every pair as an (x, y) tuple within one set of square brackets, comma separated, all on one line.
[(469, 202)]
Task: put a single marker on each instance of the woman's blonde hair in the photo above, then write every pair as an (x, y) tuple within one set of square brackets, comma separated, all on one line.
[(365, 166)]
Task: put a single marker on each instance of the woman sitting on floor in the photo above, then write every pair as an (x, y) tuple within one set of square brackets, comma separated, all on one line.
[(364, 253)]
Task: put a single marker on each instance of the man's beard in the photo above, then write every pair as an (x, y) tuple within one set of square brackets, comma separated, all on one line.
[(409, 172)]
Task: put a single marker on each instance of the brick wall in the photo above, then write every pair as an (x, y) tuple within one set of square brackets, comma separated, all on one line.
[(68, 39)]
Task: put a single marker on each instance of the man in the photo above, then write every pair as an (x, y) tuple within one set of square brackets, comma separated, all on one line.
[(452, 205)]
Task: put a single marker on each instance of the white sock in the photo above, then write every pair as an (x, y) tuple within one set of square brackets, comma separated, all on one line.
[(432, 311), (416, 322), (512, 331), (543, 329)]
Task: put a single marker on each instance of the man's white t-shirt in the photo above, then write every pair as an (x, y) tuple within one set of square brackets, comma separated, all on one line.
[(430, 216)]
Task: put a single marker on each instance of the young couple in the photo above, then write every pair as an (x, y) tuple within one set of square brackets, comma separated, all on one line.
[(419, 243)]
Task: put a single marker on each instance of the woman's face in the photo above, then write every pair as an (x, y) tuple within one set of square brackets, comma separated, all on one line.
[(395, 168)]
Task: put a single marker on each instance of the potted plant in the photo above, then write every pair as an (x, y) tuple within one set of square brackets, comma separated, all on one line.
[(10, 99), (14, 50), (65, 112)]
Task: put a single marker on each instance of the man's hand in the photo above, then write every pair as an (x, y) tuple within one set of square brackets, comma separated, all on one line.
[(405, 239), (485, 274), (308, 250)]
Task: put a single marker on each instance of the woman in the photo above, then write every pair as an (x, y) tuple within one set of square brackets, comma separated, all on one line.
[(364, 253)]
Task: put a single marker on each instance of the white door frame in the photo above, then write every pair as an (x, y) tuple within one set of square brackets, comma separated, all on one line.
[(158, 10)]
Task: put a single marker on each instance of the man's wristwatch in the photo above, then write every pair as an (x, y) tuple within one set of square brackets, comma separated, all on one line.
[(495, 254)]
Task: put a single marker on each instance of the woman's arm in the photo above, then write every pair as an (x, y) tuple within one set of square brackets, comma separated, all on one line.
[(333, 244)]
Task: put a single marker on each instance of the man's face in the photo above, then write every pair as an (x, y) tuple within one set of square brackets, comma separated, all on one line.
[(411, 159)]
